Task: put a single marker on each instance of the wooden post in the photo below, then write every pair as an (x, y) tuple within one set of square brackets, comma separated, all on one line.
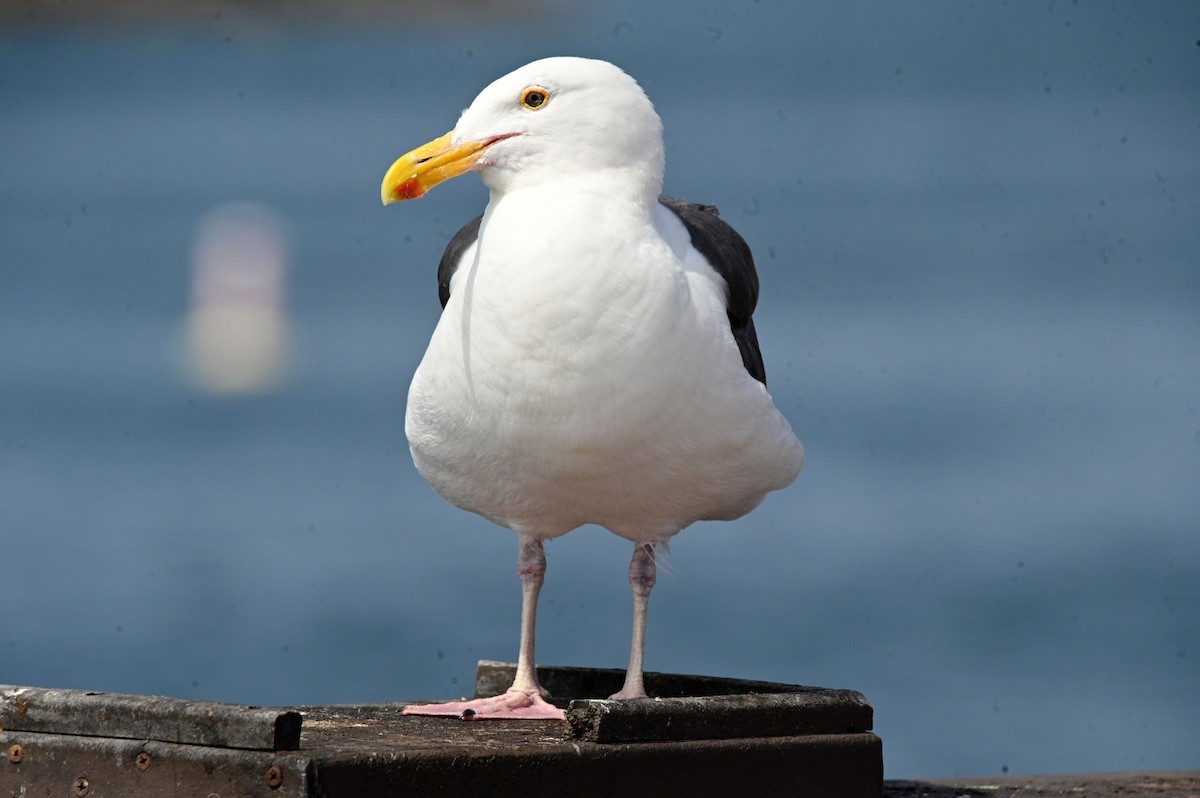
[(698, 736)]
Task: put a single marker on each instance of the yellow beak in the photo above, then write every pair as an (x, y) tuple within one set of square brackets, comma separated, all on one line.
[(416, 172)]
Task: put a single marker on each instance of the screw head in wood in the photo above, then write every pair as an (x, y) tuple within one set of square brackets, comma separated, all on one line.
[(274, 777), (16, 752), (143, 761), (81, 786)]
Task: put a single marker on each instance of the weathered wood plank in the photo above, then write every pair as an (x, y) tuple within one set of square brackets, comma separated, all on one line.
[(1180, 784), (361, 753), (140, 717), (689, 707), (718, 717)]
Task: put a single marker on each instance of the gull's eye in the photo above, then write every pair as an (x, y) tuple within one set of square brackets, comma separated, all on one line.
[(534, 98)]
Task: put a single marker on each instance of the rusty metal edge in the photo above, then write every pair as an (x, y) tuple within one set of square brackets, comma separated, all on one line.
[(64, 764)]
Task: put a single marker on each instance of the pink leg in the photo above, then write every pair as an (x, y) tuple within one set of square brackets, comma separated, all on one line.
[(641, 580), (525, 699)]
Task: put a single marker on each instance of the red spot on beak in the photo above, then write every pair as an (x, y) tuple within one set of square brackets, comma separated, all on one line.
[(409, 189)]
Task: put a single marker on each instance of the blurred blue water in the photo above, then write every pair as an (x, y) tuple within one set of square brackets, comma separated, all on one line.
[(977, 230)]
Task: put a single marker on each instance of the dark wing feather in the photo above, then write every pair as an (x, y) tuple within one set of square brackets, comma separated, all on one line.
[(453, 254), (719, 243), (729, 254)]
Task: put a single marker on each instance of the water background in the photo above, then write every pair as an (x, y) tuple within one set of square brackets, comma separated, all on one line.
[(977, 227)]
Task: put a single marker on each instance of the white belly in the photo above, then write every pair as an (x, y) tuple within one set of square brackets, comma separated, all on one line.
[(590, 393)]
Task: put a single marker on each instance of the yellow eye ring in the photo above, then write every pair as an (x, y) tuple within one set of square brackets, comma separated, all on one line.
[(535, 98)]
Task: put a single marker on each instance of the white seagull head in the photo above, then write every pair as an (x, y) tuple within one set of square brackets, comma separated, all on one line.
[(554, 119)]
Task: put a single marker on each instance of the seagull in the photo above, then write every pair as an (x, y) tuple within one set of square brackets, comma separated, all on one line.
[(595, 361)]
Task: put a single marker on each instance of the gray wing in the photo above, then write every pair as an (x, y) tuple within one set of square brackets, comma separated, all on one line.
[(729, 254), (463, 239), (720, 245)]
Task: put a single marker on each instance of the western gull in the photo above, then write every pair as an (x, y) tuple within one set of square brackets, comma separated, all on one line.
[(595, 361)]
